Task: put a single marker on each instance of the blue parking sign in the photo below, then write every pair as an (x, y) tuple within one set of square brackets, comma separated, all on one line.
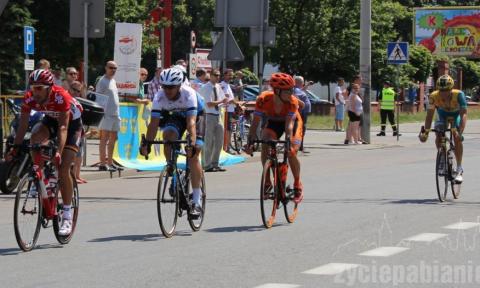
[(28, 40)]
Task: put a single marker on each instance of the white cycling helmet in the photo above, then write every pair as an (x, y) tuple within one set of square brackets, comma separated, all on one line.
[(171, 76)]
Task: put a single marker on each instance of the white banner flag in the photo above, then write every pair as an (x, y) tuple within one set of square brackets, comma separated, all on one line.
[(127, 55)]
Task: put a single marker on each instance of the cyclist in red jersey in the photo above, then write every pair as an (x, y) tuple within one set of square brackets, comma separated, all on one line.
[(62, 121), (280, 111)]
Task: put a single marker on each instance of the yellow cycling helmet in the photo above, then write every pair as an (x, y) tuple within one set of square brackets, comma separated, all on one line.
[(445, 83)]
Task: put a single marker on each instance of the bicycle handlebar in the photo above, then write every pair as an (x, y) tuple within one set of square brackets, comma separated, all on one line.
[(163, 142)]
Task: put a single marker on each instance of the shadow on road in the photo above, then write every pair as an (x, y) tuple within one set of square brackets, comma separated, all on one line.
[(239, 229), (15, 251), (133, 238), (101, 199)]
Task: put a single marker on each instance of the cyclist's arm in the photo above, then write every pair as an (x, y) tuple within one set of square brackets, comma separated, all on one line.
[(463, 120), (62, 129), (252, 133), (301, 105), (429, 118), (22, 127), (289, 122), (152, 128), (462, 101)]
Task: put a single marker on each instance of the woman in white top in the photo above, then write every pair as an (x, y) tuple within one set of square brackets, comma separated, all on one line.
[(355, 110)]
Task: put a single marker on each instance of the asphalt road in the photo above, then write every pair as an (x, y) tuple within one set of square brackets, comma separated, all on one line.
[(363, 204)]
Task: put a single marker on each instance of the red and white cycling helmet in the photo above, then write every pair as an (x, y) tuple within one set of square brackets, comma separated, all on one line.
[(41, 77)]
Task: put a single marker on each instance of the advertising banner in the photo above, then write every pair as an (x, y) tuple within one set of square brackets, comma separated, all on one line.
[(134, 123), (127, 55), (449, 31)]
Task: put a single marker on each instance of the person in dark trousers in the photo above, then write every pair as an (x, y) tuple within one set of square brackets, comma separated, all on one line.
[(387, 109)]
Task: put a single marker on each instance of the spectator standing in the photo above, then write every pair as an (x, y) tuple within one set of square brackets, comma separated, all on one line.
[(43, 64), (110, 124), (141, 89), (200, 79), (387, 107), (214, 96), (154, 85), (340, 93), (238, 85), (301, 94), (355, 111), (71, 75), (227, 91), (78, 90), (57, 77)]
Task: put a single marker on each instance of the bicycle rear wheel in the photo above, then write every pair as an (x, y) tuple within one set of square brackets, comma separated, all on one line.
[(289, 206), (27, 214), (269, 193), (452, 172), (196, 224), (441, 172), (57, 220), (167, 202)]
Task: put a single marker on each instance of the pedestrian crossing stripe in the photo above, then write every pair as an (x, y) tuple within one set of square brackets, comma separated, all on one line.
[(397, 54)]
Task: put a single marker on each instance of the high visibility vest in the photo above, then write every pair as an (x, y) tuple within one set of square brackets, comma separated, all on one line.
[(388, 99)]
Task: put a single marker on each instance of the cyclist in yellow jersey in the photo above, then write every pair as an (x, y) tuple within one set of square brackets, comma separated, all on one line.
[(450, 104)]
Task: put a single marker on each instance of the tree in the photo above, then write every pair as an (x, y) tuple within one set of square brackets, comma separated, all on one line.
[(13, 18), (471, 72)]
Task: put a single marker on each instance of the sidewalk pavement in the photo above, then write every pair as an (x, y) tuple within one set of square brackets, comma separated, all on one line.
[(314, 140)]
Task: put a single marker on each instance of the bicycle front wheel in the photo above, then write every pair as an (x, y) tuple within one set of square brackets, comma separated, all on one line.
[(57, 220), (196, 224), (269, 193), (27, 213), (167, 202), (441, 172), (452, 172)]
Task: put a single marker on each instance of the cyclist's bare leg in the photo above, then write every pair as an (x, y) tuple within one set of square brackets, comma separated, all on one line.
[(267, 134), (438, 140), (294, 162), (195, 168), (40, 134), (66, 183), (458, 148), (168, 135)]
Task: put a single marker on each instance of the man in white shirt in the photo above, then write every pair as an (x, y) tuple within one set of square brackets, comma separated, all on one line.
[(339, 104), (214, 96), (227, 90)]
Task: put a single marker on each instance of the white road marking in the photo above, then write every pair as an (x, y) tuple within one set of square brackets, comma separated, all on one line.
[(331, 269), (462, 225), (383, 251), (277, 285), (426, 237)]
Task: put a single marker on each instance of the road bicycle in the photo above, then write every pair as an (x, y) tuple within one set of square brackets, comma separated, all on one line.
[(38, 199), (276, 188), (174, 196), (446, 164)]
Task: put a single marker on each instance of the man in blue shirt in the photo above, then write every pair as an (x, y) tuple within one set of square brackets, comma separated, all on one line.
[(299, 92)]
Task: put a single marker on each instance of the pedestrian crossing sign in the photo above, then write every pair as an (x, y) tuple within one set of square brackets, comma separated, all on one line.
[(397, 52)]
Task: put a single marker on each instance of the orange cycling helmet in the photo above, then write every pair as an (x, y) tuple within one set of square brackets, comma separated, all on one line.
[(282, 81)]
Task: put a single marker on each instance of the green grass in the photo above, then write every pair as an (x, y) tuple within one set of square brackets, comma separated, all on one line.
[(328, 122)]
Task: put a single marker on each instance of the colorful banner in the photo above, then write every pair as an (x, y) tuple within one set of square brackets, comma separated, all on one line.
[(447, 31), (127, 55), (133, 125)]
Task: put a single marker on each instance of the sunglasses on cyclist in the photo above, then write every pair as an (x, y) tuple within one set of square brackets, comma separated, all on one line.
[(169, 87), (39, 87)]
